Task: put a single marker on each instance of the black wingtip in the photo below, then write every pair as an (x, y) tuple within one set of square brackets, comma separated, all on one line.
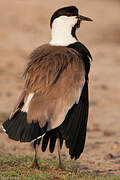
[(19, 129)]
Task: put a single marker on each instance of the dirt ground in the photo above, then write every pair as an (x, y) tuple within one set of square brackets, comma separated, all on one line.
[(24, 25)]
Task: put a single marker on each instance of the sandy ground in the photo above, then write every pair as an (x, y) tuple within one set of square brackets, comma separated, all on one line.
[(24, 25)]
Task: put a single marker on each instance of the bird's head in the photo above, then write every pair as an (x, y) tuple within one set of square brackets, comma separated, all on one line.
[(68, 15), (65, 21)]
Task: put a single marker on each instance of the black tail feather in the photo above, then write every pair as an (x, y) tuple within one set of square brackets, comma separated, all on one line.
[(52, 137), (45, 142), (52, 143), (61, 140)]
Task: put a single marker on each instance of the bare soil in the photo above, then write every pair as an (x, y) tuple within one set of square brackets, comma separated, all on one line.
[(24, 25)]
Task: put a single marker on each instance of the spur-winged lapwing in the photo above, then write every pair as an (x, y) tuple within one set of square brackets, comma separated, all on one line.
[(54, 102)]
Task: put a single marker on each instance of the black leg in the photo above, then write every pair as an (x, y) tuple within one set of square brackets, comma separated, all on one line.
[(60, 166), (35, 162)]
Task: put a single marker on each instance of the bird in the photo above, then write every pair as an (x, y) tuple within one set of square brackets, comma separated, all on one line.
[(54, 104)]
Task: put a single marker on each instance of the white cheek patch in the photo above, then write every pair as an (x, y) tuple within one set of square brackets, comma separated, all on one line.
[(61, 31), (26, 105)]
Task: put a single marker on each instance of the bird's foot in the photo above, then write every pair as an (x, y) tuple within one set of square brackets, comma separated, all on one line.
[(35, 164), (60, 166)]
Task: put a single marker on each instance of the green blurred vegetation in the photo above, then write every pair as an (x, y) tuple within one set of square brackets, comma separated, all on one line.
[(18, 167)]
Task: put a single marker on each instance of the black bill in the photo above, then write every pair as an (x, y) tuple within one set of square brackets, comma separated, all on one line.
[(83, 18)]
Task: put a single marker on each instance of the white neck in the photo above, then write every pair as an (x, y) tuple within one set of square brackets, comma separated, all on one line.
[(61, 31)]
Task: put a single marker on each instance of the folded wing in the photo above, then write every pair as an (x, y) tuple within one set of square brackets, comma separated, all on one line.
[(56, 78)]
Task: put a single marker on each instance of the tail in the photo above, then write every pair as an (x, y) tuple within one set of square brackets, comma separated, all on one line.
[(17, 128)]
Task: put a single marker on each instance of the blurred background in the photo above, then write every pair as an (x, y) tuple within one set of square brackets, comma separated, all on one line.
[(24, 25)]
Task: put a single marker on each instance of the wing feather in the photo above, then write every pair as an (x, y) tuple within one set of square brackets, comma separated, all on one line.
[(74, 127), (56, 78)]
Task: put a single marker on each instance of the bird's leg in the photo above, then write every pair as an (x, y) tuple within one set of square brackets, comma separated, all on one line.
[(60, 166), (36, 146)]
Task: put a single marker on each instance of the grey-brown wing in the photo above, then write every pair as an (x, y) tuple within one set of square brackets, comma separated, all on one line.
[(58, 87)]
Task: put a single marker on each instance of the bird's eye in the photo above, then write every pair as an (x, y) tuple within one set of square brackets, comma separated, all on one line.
[(68, 14)]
